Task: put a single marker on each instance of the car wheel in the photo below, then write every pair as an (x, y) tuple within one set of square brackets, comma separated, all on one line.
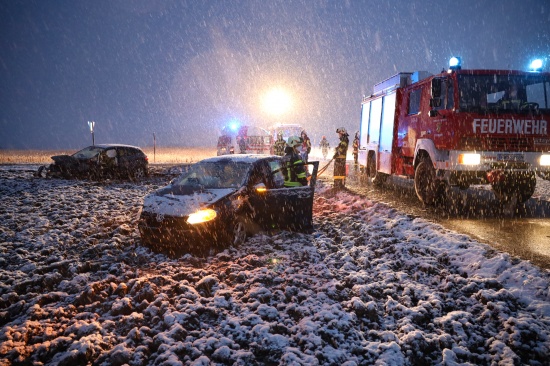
[(138, 173), (238, 232)]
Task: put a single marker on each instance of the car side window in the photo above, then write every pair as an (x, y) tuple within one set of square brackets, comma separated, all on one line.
[(257, 176), (276, 173)]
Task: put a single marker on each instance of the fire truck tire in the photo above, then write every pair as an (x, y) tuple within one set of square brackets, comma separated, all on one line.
[(524, 188), (375, 177), (427, 187)]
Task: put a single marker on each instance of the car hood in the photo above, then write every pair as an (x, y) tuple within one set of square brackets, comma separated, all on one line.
[(182, 201), (63, 159)]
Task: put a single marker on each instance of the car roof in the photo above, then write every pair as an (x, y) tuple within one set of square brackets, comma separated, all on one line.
[(105, 146), (239, 158)]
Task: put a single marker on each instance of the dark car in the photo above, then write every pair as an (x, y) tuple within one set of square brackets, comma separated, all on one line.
[(219, 201), (99, 161)]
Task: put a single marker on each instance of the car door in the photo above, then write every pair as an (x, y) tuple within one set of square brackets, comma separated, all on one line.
[(124, 163), (278, 207)]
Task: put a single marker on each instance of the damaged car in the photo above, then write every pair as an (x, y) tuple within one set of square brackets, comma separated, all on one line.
[(99, 162), (219, 201)]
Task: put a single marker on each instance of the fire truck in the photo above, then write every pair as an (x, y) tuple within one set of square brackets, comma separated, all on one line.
[(459, 128)]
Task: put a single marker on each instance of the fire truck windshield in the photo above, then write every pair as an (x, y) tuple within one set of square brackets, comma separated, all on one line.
[(504, 93)]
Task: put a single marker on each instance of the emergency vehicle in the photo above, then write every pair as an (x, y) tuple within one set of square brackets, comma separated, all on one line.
[(459, 128), (244, 139)]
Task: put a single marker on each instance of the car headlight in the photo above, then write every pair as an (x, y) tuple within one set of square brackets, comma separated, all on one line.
[(545, 160), (202, 216), (469, 159)]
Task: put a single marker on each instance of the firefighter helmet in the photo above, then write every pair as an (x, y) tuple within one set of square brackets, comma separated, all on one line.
[(280, 134), (341, 130), (294, 141)]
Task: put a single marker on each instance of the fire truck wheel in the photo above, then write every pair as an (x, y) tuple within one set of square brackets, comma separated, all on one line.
[(428, 188), (523, 186), (372, 175)]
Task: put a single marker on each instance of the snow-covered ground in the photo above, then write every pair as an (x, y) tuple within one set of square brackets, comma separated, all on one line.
[(371, 286)]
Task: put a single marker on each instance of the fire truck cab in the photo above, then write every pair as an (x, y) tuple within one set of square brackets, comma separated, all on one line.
[(458, 128)]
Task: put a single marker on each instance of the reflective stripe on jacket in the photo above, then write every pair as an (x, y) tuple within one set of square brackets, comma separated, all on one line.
[(295, 174), (342, 148)]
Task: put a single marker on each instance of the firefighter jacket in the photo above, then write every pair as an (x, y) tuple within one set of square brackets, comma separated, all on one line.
[(279, 147), (294, 169), (342, 148)]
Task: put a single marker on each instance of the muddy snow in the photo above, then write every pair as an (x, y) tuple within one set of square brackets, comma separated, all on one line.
[(369, 286)]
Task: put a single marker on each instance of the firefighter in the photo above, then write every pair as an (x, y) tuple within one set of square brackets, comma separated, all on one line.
[(510, 99), (294, 168), (280, 145), (355, 146), (306, 146), (340, 158), (324, 145), (242, 144)]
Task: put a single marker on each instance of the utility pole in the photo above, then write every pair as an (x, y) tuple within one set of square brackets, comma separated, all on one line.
[(92, 124)]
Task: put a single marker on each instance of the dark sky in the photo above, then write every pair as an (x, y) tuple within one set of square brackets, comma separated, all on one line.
[(183, 69)]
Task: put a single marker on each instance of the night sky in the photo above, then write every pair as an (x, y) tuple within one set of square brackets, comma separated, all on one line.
[(182, 69)]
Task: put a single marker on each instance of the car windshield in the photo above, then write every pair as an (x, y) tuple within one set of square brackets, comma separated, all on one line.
[(88, 152), (219, 174)]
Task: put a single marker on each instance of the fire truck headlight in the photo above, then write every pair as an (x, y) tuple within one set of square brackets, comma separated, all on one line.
[(202, 216), (469, 159), (545, 160)]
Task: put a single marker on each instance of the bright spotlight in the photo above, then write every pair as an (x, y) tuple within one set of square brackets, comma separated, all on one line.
[(277, 101)]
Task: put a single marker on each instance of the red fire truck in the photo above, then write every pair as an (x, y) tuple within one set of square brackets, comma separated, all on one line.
[(459, 128)]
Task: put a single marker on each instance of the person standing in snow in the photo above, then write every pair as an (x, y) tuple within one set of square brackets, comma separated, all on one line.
[(294, 169), (280, 145), (355, 147), (242, 144), (306, 146), (324, 145), (340, 158)]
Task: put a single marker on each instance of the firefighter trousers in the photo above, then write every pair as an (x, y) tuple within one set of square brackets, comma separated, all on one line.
[(339, 173)]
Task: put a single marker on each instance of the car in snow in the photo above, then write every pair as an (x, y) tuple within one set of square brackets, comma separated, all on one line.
[(99, 161), (219, 201)]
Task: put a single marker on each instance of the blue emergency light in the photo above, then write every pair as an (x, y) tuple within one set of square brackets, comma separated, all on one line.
[(234, 125), (455, 63), (536, 65)]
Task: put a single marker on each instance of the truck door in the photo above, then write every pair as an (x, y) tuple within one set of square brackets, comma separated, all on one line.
[(364, 133), (386, 134)]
